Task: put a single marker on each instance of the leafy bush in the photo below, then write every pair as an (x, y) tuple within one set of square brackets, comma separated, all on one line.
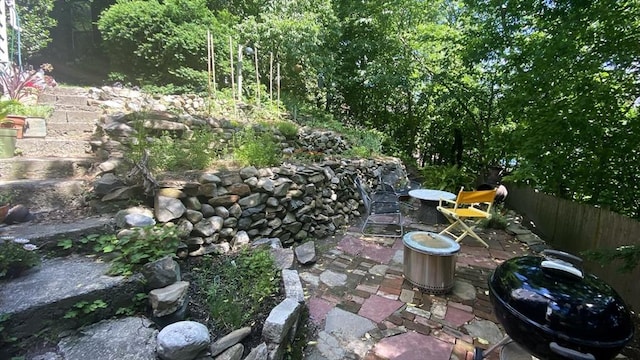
[(16, 258), (138, 247), (162, 42), (497, 221), (238, 285), (168, 152), (288, 129), (260, 150), (448, 178)]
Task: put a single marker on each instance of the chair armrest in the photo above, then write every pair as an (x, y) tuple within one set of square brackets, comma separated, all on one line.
[(447, 201)]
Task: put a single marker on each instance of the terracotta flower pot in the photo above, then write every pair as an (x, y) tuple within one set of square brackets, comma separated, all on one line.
[(18, 123)]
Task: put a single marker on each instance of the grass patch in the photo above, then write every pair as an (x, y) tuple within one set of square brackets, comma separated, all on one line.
[(238, 288), (257, 149)]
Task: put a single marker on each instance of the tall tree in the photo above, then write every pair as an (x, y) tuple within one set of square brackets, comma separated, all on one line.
[(571, 83)]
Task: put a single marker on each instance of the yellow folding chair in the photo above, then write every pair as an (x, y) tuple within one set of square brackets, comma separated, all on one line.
[(469, 205)]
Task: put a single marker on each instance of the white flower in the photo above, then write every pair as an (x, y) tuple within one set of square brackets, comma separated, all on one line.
[(29, 247)]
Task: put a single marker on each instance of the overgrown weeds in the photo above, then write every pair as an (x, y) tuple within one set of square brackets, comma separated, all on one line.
[(131, 249), (238, 286)]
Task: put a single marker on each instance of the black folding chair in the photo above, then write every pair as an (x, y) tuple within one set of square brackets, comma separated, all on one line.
[(383, 216)]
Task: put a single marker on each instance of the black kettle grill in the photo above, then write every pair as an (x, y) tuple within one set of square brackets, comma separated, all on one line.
[(555, 311)]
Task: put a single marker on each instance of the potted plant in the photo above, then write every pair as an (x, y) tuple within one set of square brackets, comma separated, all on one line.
[(8, 134), (20, 86)]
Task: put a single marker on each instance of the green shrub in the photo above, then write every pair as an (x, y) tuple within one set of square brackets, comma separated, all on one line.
[(140, 246), (15, 258), (238, 285), (169, 153), (497, 221), (288, 129), (448, 178), (162, 42), (260, 150)]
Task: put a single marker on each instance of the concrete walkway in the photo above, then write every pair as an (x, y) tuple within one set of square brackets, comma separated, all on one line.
[(361, 307)]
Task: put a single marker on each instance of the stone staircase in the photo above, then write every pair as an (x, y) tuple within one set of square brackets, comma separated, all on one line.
[(55, 158)]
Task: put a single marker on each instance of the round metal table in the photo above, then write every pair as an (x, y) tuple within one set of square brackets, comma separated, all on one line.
[(429, 200)]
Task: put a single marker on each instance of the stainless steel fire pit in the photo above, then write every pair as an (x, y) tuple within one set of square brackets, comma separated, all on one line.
[(430, 261)]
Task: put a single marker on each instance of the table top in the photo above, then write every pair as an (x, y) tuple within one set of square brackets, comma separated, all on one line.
[(431, 195)]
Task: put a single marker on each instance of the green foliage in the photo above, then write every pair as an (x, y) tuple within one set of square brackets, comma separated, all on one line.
[(35, 23), (238, 285), (168, 152), (136, 248), (288, 129), (628, 255), (257, 149), (162, 43), (85, 308), (15, 258), (4, 338), (138, 304), (497, 221), (448, 178)]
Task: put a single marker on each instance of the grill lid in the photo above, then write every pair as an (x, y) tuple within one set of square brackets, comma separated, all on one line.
[(565, 301)]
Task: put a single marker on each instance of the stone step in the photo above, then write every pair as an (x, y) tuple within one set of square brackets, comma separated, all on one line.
[(73, 130), (64, 90), (63, 99), (73, 145), (67, 116), (17, 168), (46, 195), (41, 300), (46, 236)]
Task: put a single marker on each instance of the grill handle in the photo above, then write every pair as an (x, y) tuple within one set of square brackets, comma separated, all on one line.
[(564, 256), (569, 353)]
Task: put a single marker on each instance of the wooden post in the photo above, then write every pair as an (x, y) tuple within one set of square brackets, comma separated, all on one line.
[(271, 78), (255, 56), (209, 62), (278, 84), (239, 64), (233, 82)]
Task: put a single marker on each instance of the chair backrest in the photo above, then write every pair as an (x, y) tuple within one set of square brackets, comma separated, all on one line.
[(477, 196), (363, 194), (473, 198)]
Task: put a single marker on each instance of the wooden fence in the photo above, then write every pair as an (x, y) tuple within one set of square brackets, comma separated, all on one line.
[(573, 227)]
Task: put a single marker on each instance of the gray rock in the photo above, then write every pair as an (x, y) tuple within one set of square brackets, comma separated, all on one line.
[(194, 216), (241, 239), (248, 172), (167, 300), (283, 258), (131, 338), (292, 285), (252, 200), (138, 220), (259, 352), (484, 329), (233, 353), (464, 290), (183, 340), (229, 340), (222, 211), (161, 273), (280, 321), (235, 210), (192, 203), (141, 210), (209, 226), (209, 178), (106, 184), (185, 227), (306, 253), (333, 279), (207, 210), (167, 209)]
